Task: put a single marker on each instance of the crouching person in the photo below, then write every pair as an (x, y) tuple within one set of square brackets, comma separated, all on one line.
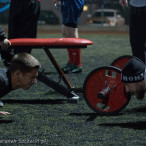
[(134, 77), (22, 73)]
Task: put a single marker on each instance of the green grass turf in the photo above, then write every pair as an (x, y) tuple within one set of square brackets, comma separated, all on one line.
[(42, 116)]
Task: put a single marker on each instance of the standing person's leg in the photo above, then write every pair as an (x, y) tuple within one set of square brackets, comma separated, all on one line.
[(28, 22), (74, 64), (13, 28), (138, 31), (14, 11), (23, 17), (77, 54), (73, 32), (65, 34)]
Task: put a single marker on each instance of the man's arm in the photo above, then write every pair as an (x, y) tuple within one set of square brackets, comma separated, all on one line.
[(4, 113), (123, 2), (4, 42)]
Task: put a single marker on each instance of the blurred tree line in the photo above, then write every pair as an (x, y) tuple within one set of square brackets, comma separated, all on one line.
[(113, 4), (124, 11)]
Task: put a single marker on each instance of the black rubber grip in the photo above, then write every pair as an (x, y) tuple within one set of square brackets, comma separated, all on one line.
[(103, 93)]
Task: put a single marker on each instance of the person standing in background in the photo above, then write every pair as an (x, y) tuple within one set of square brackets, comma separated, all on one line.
[(23, 17), (71, 11), (137, 26), (4, 45)]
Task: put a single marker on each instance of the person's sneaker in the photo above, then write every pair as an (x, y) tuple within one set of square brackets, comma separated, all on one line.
[(77, 69), (67, 68), (1, 104)]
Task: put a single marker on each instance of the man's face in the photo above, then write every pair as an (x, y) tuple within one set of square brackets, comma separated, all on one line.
[(137, 88), (134, 87), (26, 80)]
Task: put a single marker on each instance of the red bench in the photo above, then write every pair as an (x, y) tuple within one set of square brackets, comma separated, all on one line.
[(49, 43)]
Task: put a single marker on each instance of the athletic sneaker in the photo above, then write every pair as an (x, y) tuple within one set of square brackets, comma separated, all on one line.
[(71, 68), (1, 104), (67, 68), (77, 69)]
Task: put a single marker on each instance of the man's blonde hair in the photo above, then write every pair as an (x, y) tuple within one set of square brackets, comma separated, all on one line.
[(24, 62)]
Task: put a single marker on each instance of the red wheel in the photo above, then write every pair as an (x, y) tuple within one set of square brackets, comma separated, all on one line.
[(121, 61), (100, 79)]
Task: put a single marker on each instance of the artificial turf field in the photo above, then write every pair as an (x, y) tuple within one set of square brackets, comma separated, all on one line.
[(40, 116)]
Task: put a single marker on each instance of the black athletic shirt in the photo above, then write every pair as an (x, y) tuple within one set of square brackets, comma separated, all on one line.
[(5, 82)]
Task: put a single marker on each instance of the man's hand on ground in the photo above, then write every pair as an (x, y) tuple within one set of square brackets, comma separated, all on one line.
[(4, 113)]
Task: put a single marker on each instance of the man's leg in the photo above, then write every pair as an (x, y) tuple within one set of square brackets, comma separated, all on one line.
[(138, 31), (28, 22), (70, 94), (75, 53), (23, 17)]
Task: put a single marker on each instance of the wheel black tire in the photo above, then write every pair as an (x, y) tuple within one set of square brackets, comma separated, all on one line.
[(96, 81), (121, 61)]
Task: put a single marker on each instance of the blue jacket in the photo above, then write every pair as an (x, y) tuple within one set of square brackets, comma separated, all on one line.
[(71, 10)]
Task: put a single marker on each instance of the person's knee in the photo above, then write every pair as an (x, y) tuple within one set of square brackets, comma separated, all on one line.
[(69, 32), (73, 34), (64, 34)]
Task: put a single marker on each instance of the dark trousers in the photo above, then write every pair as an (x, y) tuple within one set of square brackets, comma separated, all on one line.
[(23, 17), (138, 31)]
